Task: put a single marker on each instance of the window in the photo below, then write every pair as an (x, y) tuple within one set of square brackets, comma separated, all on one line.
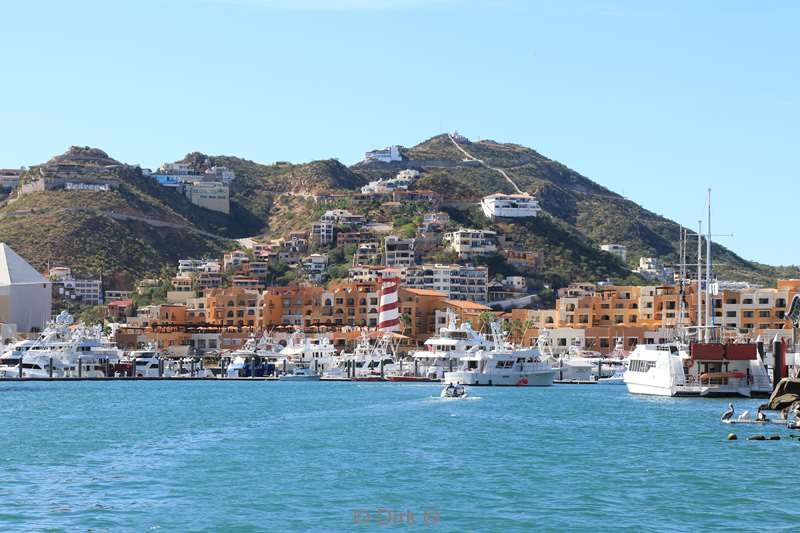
[(763, 301), (730, 314), (638, 365), (763, 314)]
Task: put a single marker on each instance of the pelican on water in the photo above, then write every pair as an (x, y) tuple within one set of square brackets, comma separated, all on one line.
[(728, 414)]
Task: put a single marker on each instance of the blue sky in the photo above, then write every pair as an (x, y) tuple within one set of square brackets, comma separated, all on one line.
[(657, 101)]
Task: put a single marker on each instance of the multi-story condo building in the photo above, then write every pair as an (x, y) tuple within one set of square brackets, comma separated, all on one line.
[(322, 233), (233, 306), (470, 243), (458, 282), (213, 195), (397, 251)]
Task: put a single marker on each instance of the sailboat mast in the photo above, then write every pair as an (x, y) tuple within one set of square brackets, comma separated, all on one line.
[(699, 278), (709, 316), (681, 271)]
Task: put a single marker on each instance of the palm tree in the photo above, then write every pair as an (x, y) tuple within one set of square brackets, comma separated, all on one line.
[(406, 321), (485, 318)]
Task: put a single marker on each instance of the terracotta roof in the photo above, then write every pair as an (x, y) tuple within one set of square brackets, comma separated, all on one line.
[(121, 303), (467, 304), (425, 292)]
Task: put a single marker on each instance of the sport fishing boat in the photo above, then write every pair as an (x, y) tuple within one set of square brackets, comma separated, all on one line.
[(316, 355), (570, 366), (367, 362), (443, 351), (502, 365), (704, 369), (262, 355)]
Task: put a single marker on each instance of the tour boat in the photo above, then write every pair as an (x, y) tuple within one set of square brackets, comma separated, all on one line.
[(502, 365), (704, 369)]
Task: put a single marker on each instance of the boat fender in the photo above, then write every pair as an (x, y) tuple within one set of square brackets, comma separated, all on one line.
[(756, 437), (732, 436), (775, 437)]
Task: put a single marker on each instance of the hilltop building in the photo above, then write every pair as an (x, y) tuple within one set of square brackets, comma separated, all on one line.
[(387, 155), (25, 295), (9, 178)]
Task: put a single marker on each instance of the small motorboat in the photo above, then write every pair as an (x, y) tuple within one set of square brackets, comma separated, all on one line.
[(300, 373), (617, 378), (454, 391)]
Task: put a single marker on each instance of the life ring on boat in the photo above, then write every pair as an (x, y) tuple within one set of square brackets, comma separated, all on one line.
[(522, 382)]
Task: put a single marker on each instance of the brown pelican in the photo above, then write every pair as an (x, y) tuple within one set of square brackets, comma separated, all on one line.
[(728, 414)]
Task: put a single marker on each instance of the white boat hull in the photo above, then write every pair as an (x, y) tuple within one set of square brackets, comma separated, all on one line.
[(292, 377), (502, 379)]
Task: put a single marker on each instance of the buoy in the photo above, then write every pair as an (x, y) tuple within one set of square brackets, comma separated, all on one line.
[(775, 437), (756, 437), (732, 436)]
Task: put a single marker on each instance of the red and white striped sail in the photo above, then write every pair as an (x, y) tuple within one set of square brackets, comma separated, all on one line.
[(389, 311)]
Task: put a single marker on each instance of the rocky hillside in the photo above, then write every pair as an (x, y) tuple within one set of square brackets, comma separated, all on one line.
[(574, 204), (137, 227)]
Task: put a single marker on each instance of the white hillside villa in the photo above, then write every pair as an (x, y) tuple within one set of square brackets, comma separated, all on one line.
[(620, 250), (510, 206)]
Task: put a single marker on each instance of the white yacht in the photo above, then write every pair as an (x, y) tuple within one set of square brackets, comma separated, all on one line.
[(317, 355), (705, 369), (147, 364), (502, 365), (443, 351), (62, 350)]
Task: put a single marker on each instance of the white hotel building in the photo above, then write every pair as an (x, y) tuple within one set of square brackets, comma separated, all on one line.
[(510, 206)]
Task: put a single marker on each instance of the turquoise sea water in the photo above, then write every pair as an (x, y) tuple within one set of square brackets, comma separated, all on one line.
[(256, 456)]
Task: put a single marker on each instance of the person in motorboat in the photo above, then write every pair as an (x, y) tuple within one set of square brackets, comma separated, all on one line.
[(760, 416)]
